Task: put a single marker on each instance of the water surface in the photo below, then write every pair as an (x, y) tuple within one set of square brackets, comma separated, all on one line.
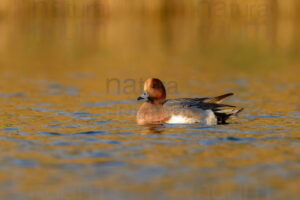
[(68, 88)]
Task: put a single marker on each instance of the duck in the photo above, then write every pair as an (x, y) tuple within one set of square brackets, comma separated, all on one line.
[(156, 109)]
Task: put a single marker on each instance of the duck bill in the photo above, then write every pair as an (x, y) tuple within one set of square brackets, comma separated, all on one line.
[(140, 98), (145, 95)]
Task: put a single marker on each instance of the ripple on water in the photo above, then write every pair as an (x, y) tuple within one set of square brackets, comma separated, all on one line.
[(13, 95), (41, 109), (111, 164), (100, 154), (59, 143), (84, 117), (95, 133), (25, 163), (10, 129), (239, 139), (217, 140), (103, 122)]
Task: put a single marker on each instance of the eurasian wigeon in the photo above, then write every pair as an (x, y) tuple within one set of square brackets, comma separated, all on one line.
[(158, 110)]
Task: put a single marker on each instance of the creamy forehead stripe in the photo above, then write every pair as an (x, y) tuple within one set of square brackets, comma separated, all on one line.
[(147, 83)]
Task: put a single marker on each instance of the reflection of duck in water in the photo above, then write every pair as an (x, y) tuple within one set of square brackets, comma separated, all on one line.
[(154, 128), (158, 110)]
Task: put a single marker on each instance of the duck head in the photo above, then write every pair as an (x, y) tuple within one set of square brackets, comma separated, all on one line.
[(154, 91)]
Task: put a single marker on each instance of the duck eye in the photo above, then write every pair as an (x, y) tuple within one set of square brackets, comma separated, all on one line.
[(154, 86)]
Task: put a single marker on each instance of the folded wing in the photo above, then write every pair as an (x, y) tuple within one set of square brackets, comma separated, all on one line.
[(222, 111)]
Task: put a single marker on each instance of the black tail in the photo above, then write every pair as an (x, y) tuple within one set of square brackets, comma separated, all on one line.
[(223, 114), (217, 99)]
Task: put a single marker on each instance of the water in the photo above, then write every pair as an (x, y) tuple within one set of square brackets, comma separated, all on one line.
[(68, 105)]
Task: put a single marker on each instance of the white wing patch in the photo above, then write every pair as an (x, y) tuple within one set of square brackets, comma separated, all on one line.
[(178, 119), (206, 118)]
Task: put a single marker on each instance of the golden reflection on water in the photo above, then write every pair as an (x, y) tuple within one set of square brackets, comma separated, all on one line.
[(68, 133)]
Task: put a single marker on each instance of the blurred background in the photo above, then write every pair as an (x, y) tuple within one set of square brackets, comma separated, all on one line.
[(70, 71), (140, 39)]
